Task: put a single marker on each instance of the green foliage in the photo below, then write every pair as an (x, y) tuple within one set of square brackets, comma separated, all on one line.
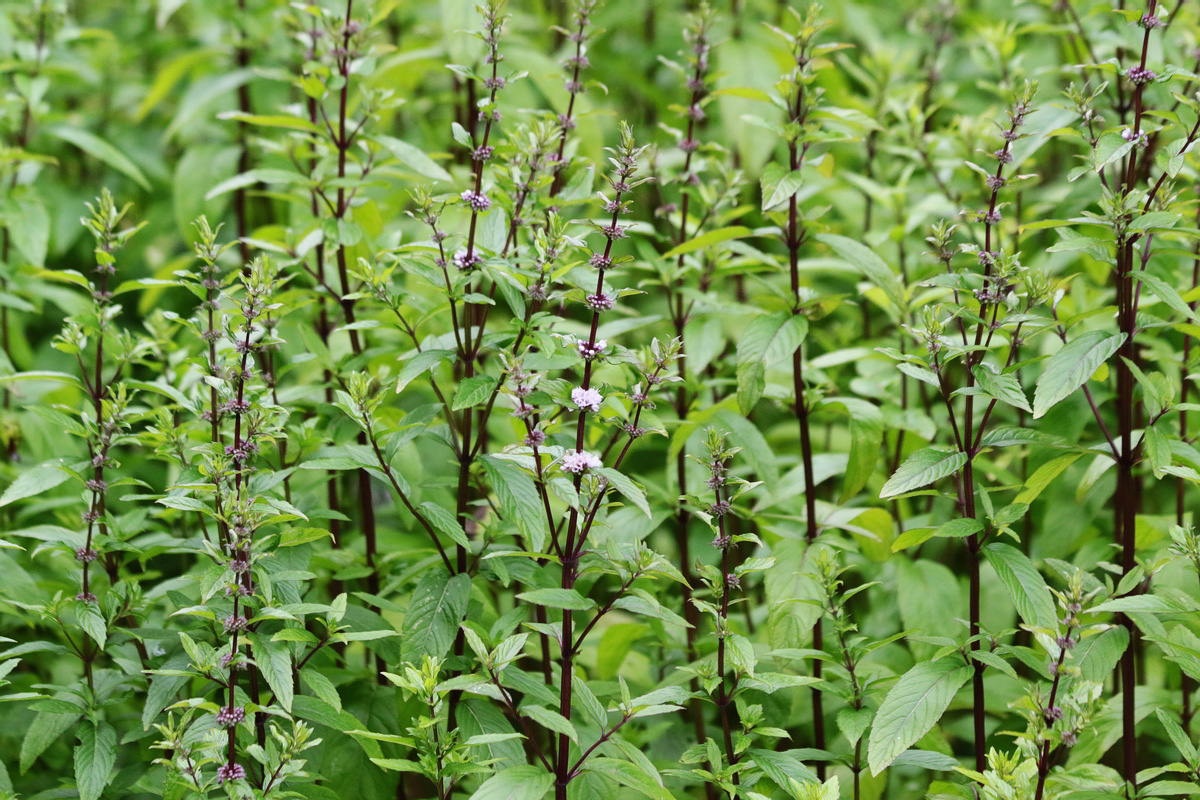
[(593, 399)]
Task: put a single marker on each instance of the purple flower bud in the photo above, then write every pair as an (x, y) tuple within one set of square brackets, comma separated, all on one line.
[(722, 542), (994, 182), (230, 772), (1003, 156), (733, 581), (483, 153), (96, 485), (478, 201), (86, 555), (235, 623), (689, 145), (613, 232), (1139, 76), (465, 262), (86, 597), (495, 83), (599, 302), (600, 261), (720, 508), (230, 716), (536, 438)]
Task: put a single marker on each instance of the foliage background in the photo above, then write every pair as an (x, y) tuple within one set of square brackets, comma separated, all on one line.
[(142, 98)]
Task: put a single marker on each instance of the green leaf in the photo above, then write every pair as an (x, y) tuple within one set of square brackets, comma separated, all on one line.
[(525, 782), (274, 660), (519, 500), (414, 158), (1029, 592), (1000, 386), (445, 522), (1071, 367), (438, 605), (253, 177), (557, 598), (1165, 292), (921, 469), (912, 707), (1043, 475), (779, 185), (708, 240), (473, 391), (33, 482), (628, 489), (759, 337), (552, 720), (868, 262), (96, 147), (95, 757), (630, 775), (43, 732)]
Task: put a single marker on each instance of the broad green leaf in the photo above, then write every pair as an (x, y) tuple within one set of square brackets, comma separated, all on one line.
[(518, 498), (96, 147), (759, 337), (473, 391), (628, 489), (868, 262), (921, 469), (414, 158), (526, 782), (445, 522), (708, 240), (274, 660), (438, 605), (1071, 367), (557, 598), (252, 177), (34, 481), (1001, 386), (1029, 592), (95, 757), (914, 705), (629, 775)]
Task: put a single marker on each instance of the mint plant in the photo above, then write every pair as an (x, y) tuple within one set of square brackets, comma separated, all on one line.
[(573, 400)]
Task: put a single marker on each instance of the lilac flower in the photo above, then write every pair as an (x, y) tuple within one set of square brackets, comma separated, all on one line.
[(478, 201), (586, 399), (1139, 76), (599, 302), (230, 716), (536, 438), (1141, 139), (465, 262), (576, 461), (230, 772), (589, 351), (719, 508)]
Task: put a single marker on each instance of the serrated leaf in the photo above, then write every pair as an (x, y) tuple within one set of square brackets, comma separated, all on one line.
[(95, 757), (438, 605), (921, 469), (912, 707), (1071, 367), (1026, 587)]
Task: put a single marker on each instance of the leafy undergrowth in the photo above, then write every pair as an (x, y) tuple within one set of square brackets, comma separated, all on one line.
[(581, 400)]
